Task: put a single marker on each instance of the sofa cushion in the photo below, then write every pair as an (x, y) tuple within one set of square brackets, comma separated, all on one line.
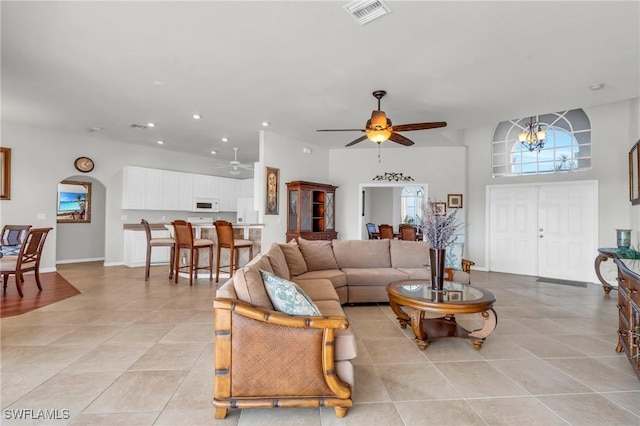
[(286, 296), (294, 258), (336, 276), (317, 254), (423, 273), (248, 284), (345, 341), (409, 254), (362, 253), (373, 276), (319, 289), (278, 261)]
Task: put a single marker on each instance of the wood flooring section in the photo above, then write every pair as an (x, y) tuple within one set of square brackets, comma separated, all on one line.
[(54, 289)]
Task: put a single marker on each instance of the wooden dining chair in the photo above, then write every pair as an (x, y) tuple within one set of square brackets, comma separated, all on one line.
[(157, 242), (372, 230), (227, 240), (386, 231), (12, 237), (27, 260), (408, 232), (183, 234)]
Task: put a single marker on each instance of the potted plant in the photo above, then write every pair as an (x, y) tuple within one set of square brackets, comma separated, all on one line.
[(440, 230)]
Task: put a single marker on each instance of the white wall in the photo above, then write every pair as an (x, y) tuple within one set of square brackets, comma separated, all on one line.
[(442, 168), (41, 158), (285, 154), (610, 144)]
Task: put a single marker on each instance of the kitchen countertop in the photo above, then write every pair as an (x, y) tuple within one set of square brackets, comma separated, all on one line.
[(162, 227)]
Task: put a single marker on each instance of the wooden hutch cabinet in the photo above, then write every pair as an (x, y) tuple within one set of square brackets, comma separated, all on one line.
[(629, 310), (311, 211)]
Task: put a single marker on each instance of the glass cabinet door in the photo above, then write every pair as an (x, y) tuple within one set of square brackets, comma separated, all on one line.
[(329, 211), (293, 210)]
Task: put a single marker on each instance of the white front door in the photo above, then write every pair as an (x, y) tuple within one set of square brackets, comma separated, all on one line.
[(545, 230)]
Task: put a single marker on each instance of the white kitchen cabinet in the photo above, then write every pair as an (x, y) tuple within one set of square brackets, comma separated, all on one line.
[(133, 188), (169, 190), (245, 188), (153, 190), (185, 192), (228, 191), (135, 248)]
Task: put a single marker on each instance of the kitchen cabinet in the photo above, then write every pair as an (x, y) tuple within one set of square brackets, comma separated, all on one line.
[(133, 188), (185, 192), (153, 191), (169, 190), (135, 248)]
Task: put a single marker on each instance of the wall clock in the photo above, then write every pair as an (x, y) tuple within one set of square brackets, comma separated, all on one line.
[(83, 164)]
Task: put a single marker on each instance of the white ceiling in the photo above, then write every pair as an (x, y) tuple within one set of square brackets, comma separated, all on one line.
[(306, 65)]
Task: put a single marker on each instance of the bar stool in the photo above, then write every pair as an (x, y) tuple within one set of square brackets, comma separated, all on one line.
[(157, 242), (184, 240), (227, 240)]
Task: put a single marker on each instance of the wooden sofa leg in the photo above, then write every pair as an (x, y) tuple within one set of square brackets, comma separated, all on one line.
[(221, 413), (341, 411)]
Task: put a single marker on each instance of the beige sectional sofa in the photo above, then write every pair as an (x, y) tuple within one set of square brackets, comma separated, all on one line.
[(266, 358)]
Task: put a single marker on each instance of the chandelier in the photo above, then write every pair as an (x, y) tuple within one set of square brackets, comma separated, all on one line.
[(533, 137)]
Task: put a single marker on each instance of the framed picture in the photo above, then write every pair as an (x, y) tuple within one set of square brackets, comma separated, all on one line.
[(454, 201), (5, 173), (272, 184), (634, 174), (440, 209), (454, 296), (74, 202)]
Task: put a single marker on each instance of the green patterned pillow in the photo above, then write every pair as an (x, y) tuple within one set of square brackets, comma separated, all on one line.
[(287, 297)]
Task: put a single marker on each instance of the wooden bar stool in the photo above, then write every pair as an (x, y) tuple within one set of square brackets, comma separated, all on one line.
[(227, 240), (184, 240), (157, 242)]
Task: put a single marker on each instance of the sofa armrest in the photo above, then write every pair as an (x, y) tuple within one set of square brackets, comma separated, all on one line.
[(264, 355), (467, 264)]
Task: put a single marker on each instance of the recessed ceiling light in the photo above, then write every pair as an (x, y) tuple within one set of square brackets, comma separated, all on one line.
[(597, 86), (265, 123), (225, 140), (160, 142), (150, 124), (196, 116), (214, 152)]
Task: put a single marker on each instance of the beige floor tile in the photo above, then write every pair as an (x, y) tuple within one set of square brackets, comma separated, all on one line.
[(189, 333), (32, 359), (196, 391), (438, 413), (515, 411), (198, 417), (172, 316), (590, 345), (110, 357), (89, 335), (206, 360), (418, 381), (116, 419), (170, 356), (16, 385), (34, 335), (546, 347), (280, 417), (475, 379), (368, 385), (138, 391), (503, 347), (590, 409), (381, 413), (141, 333), (393, 351), (598, 376), (442, 350), (378, 329), (628, 400)]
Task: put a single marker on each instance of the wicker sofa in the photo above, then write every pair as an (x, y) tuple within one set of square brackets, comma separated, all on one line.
[(266, 358)]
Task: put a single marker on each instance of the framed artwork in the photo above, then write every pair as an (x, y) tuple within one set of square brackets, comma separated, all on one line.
[(273, 182), (440, 209), (454, 201), (74, 202), (634, 174), (5, 173)]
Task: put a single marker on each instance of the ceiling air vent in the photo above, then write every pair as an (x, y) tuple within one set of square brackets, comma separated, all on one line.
[(365, 11)]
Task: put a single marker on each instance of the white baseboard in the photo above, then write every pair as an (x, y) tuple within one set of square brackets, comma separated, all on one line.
[(106, 264), (92, 259)]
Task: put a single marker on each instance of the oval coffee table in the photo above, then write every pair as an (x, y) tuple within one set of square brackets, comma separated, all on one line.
[(455, 298)]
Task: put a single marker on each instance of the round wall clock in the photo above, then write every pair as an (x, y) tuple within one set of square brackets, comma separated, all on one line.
[(83, 164)]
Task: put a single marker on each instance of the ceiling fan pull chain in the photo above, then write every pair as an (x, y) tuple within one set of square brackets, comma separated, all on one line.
[(379, 154)]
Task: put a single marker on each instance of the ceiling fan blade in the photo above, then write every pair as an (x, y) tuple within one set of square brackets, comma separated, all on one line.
[(341, 130), (419, 126), (395, 137), (360, 139)]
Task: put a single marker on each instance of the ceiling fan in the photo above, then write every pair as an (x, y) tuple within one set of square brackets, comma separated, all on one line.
[(235, 164), (380, 129)]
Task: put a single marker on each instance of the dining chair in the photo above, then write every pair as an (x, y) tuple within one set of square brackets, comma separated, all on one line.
[(386, 231), (27, 260), (183, 234), (408, 232), (227, 240), (157, 242), (11, 238), (372, 230)]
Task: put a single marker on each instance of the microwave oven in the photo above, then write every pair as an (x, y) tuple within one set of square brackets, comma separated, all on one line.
[(202, 204)]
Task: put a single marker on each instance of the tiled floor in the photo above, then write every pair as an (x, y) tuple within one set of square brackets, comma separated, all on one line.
[(135, 353)]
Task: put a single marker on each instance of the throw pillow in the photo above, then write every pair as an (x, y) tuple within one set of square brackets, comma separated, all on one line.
[(278, 261), (286, 296), (453, 256), (295, 261), (248, 283), (318, 254)]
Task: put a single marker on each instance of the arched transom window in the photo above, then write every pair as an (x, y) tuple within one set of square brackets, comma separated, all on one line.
[(567, 146)]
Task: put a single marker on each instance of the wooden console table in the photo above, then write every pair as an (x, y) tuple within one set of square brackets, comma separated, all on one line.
[(629, 310), (607, 253)]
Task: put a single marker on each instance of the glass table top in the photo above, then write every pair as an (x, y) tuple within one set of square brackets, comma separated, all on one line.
[(452, 292)]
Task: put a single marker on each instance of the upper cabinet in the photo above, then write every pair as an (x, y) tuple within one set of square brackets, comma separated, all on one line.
[(154, 189)]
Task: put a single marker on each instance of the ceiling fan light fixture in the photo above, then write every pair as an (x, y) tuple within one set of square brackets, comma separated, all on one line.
[(379, 136), (234, 172)]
